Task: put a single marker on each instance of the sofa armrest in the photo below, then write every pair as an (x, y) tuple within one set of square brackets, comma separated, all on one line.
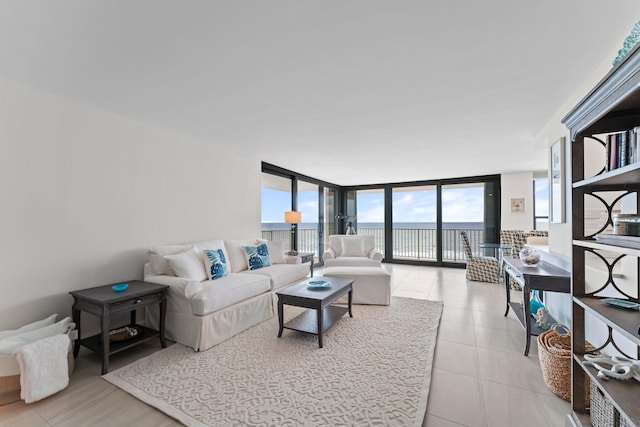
[(328, 254), (292, 259), (376, 255), (188, 287)]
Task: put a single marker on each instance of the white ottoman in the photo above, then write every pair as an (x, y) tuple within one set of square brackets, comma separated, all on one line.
[(371, 285)]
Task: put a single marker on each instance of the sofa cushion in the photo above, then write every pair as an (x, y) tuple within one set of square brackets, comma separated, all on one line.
[(188, 264), (227, 291), (276, 250), (281, 274), (257, 256), (236, 256), (215, 263), (354, 261), (352, 247), (157, 261)]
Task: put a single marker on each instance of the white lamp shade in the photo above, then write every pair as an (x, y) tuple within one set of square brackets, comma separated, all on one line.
[(292, 217)]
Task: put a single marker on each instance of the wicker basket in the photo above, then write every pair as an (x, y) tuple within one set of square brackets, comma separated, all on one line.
[(602, 413), (10, 372), (554, 352)]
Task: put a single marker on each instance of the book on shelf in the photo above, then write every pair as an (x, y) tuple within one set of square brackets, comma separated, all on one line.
[(623, 153), (622, 148)]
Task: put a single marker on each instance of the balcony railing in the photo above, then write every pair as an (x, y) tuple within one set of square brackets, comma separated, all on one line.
[(409, 243)]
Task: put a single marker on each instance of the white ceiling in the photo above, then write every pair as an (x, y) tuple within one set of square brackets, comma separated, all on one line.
[(351, 91)]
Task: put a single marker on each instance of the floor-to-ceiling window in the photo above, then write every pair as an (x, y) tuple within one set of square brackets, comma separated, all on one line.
[(317, 201), (418, 222), (414, 212), (329, 213), (276, 200), (370, 215), (309, 207), (463, 209), (427, 219), (541, 203)]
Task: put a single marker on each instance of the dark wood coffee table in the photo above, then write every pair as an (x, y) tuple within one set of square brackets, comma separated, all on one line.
[(321, 315)]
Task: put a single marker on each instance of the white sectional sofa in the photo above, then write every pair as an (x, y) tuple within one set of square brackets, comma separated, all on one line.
[(201, 312)]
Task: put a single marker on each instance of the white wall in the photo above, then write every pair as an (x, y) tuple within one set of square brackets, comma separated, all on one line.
[(518, 186), (85, 193), (560, 237)]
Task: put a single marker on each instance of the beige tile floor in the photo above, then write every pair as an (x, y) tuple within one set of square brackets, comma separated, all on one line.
[(480, 377)]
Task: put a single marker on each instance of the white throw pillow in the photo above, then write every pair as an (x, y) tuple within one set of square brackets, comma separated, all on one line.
[(157, 261), (276, 250), (236, 257), (12, 344), (352, 247), (29, 327), (188, 265)]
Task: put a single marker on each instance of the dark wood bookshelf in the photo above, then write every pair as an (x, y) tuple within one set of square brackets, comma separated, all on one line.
[(613, 105)]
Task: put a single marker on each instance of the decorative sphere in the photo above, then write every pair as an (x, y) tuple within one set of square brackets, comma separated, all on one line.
[(529, 256)]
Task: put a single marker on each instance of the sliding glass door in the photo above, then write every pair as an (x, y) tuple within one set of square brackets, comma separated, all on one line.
[(414, 232), (309, 229), (427, 220), (463, 209), (370, 215)]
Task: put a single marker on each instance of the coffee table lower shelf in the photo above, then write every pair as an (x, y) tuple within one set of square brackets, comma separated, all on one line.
[(307, 321)]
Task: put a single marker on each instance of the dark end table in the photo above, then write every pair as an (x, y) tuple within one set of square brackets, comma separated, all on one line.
[(321, 315), (542, 277), (103, 301)]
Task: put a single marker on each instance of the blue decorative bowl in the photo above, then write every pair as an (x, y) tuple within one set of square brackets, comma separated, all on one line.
[(318, 284), (121, 287)]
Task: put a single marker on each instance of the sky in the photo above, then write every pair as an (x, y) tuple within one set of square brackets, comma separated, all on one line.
[(459, 204)]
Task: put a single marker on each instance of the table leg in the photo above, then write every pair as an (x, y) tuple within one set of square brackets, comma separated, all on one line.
[(350, 300), (320, 312), (527, 318), (311, 267), (75, 314), (163, 317), (508, 291), (280, 316), (105, 343)]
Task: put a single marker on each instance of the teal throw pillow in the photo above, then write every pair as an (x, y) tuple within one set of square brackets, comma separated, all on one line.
[(257, 256), (216, 263)]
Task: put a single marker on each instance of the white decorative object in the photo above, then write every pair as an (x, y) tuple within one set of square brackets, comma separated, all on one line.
[(622, 368)]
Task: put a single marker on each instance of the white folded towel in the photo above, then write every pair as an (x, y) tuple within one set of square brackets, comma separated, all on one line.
[(44, 368)]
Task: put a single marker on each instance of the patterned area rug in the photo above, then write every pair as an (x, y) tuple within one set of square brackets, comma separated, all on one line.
[(374, 369)]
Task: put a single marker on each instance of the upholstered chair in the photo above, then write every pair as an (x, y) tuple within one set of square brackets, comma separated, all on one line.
[(506, 238), (518, 241), (352, 251), (480, 268), (538, 237)]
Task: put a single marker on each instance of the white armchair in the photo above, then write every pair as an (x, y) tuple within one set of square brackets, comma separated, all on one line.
[(352, 251)]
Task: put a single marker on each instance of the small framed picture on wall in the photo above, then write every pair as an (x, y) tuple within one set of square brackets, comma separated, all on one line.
[(517, 206)]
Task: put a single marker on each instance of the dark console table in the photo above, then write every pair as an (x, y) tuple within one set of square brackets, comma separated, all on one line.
[(103, 301), (542, 277)]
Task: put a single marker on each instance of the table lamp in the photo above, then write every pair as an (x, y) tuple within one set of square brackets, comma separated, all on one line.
[(294, 218)]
